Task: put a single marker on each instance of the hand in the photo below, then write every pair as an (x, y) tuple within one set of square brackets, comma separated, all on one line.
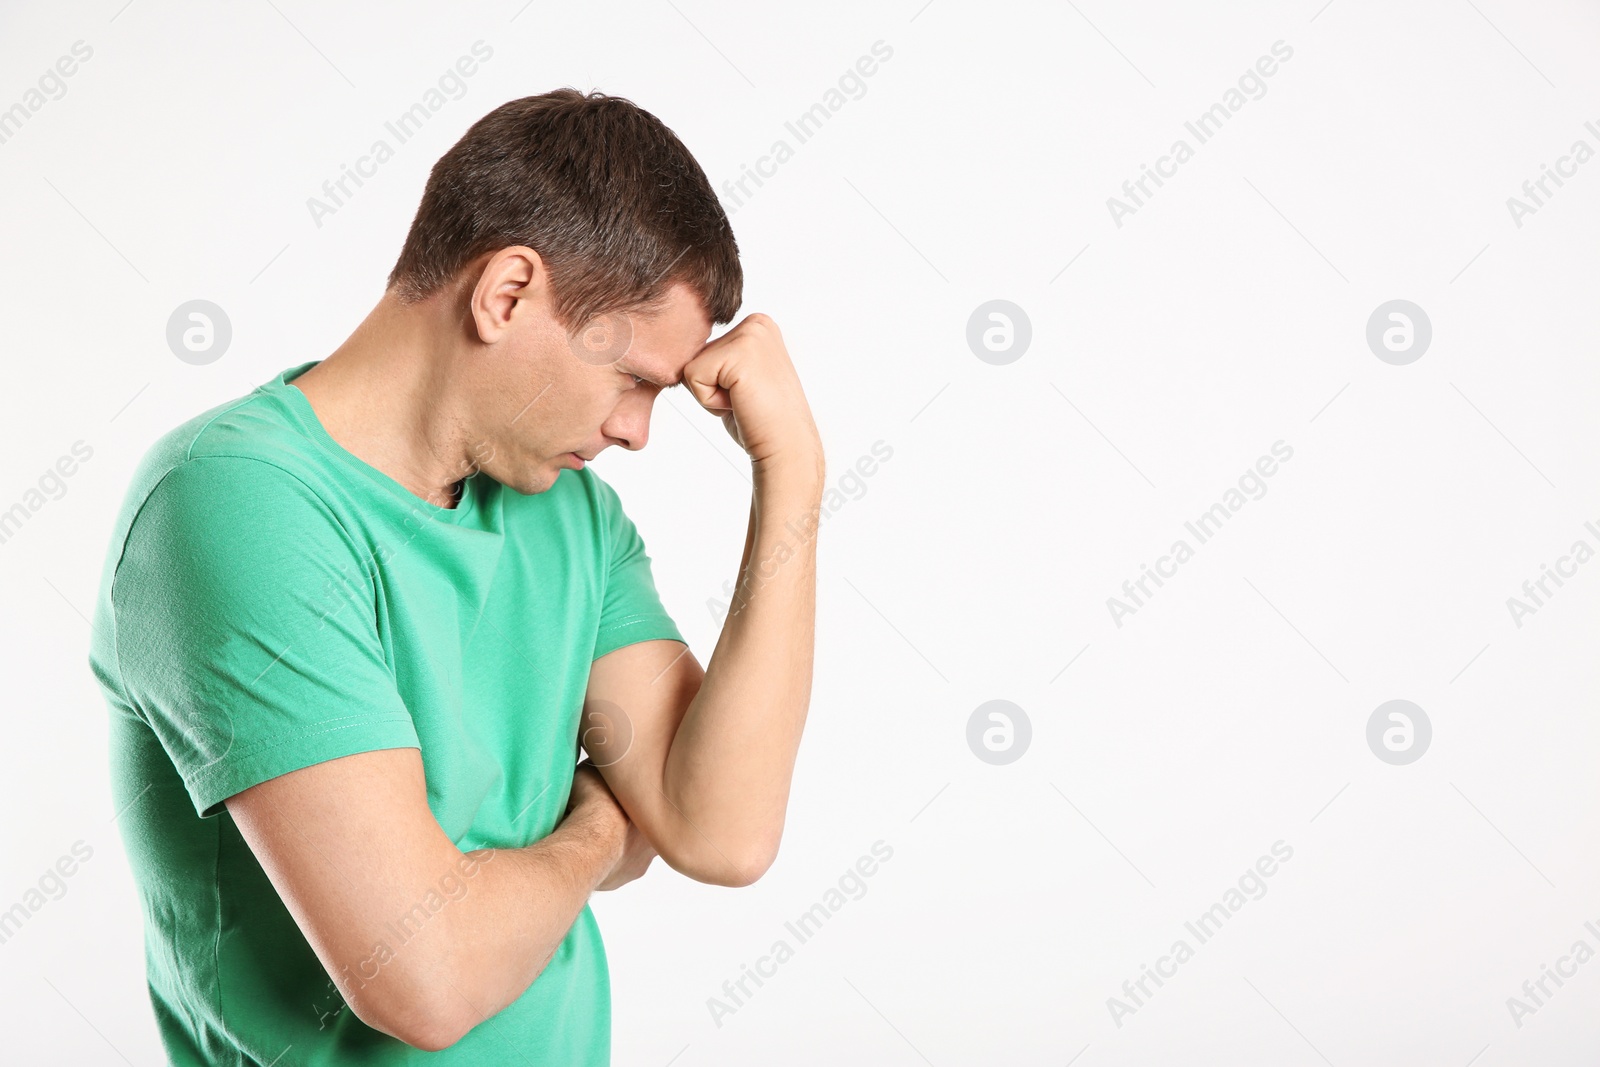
[(746, 377), (634, 862), (591, 798), (590, 794)]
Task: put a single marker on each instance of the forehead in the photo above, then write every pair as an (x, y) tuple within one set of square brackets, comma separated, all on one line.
[(670, 336)]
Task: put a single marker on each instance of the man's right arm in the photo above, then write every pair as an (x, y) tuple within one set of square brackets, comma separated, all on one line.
[(352, 848)]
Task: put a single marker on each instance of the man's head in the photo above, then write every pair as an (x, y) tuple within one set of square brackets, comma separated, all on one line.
[(568, 246)]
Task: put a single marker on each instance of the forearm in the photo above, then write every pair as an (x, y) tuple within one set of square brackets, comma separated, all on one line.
[(731, 762), (519, 908)]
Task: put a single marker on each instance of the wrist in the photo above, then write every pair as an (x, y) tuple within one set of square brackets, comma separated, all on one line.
[(600, 823), (802, 471)]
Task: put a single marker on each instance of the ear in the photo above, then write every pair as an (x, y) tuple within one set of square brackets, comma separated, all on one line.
[(513, 283)]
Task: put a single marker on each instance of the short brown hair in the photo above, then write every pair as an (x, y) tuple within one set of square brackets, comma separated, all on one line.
[(605, 193)]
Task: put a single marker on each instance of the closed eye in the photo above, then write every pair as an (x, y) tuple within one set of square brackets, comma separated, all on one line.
[(639, 380)]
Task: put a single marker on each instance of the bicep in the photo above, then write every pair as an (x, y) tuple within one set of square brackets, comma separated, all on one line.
[(635, 702), (351, 846)]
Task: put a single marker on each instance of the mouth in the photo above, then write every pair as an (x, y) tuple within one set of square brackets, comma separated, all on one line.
[(576, 459)]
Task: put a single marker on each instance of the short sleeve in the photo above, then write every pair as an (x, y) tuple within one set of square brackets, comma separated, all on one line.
[(631, 610), (246, 630)]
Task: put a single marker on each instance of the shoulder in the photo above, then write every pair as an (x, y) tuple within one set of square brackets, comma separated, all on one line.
[(242, 427), (240, 461), (196, 508)]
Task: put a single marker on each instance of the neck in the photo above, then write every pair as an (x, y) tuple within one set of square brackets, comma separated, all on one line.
[(385, 396)]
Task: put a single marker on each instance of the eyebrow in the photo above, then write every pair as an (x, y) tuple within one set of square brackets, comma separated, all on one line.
[(662, 385)]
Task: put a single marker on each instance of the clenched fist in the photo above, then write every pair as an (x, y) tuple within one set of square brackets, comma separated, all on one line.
[(592, 798), (746, 377)]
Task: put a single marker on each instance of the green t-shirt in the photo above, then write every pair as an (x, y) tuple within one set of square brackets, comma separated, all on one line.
[(270, 601)]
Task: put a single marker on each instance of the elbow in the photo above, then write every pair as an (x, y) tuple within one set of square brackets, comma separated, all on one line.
[(422, 1020), (428, 1031), (753, 865), (436, 1040), (430, 1040), (731, 868), (437, 1034), (748, 874)]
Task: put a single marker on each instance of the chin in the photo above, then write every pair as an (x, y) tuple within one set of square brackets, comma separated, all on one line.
[(542, 487), (531, 477)]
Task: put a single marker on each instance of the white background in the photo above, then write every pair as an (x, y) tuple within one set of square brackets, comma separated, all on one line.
[(1227, 313)]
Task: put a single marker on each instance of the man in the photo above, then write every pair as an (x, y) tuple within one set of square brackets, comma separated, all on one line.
[(351, 623)]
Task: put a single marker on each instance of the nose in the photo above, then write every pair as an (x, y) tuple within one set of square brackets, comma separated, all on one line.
[(629, 424)]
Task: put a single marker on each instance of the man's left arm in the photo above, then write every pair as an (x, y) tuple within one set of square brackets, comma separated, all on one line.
[(702, 760)]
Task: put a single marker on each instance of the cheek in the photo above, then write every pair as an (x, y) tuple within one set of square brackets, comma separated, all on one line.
[(600, 405), (571, 421)]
